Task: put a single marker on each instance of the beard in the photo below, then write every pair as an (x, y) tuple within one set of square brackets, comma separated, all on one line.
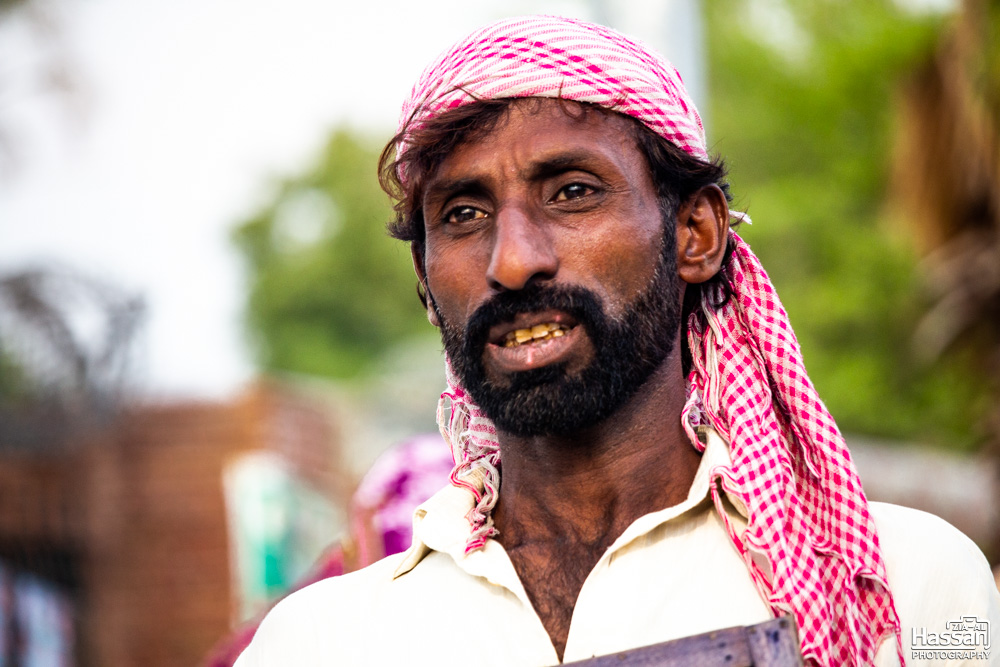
[(550, 401)]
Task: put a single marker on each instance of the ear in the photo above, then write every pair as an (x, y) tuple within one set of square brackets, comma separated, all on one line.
[(702, 234), (417, 254)]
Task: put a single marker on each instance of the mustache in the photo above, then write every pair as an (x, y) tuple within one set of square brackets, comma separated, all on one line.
[(580, 303)]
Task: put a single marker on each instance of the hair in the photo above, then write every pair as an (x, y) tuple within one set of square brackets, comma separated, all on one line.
[(416, 152)]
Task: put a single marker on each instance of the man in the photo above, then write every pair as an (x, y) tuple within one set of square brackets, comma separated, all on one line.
[(618, 359)]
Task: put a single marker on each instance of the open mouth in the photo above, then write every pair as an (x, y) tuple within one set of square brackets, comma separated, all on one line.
[(533, 340), (535, 334)]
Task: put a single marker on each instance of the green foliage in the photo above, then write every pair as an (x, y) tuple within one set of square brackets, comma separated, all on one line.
[(14, 385), (329, 291), (804, 115), (10, 6), (805, 120)]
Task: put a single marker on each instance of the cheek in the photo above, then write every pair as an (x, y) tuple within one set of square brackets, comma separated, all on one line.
[(621, 259), (452, 279)]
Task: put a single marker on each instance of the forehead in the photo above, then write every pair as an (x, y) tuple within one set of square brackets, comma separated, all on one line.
[(536, 129)]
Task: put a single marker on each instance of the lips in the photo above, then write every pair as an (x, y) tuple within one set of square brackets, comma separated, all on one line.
[(538, 332), (525, 328), (533, 340)]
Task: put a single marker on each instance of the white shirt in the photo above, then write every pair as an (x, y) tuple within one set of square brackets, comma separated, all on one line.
[(671, 574)]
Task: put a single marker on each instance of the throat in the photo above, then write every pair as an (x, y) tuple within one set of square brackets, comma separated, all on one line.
[(554, 546), (552, 573), (565, 499)]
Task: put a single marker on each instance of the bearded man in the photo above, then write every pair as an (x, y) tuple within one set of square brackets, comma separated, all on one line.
[(618, 359)]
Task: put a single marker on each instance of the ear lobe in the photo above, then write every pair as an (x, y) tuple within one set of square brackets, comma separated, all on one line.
[(432, 315), (702, 234), (418, 267)]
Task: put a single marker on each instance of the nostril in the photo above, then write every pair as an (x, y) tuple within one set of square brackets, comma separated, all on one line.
[(522, 253), (511, 272)]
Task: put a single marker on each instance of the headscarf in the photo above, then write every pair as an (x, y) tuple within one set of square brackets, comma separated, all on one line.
[(810, 545)]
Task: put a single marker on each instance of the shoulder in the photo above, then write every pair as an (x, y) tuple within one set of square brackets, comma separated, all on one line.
[(917, 545), (302, 629), (936, 574)]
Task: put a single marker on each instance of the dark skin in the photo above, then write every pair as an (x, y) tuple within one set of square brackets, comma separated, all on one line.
[(567, 199)]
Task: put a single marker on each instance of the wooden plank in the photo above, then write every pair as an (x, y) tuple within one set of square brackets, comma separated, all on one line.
[(773, 643)]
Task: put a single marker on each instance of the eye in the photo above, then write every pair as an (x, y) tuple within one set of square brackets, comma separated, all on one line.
[(573, 191), (462, 214)]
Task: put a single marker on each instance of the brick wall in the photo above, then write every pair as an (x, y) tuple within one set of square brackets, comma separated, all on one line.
[(142, 511)]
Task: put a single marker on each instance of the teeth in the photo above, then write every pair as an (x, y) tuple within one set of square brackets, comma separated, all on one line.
[(538, 332)]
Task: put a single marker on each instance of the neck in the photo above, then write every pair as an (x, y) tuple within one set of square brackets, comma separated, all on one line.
[(587, 487)]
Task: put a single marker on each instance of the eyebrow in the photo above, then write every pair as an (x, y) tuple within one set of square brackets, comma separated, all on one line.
[(567, 161), (444, 189)]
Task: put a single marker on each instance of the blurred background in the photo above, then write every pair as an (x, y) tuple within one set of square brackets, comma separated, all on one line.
[(206, 340)]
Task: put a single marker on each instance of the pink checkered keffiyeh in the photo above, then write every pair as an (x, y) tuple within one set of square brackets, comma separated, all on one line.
[(810, 545)]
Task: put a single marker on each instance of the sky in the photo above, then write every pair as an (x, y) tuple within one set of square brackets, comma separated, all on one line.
[(182, 116)]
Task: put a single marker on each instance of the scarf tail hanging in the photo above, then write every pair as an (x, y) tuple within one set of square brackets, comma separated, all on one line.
[(807, 514)]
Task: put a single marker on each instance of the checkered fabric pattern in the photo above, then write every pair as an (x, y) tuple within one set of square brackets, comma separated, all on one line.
[(543, 56), (810, 546)]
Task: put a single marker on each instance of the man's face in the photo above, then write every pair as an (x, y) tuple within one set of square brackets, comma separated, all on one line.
[(549, 267)]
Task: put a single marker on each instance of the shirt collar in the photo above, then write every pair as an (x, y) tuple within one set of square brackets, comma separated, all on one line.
[(440, 523)]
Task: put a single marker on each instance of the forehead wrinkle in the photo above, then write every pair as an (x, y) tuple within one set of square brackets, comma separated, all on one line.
[(538, 158), (442, 189), (593, 126), (561, 162)]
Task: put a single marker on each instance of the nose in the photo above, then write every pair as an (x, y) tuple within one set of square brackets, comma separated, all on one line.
[(522, 252)]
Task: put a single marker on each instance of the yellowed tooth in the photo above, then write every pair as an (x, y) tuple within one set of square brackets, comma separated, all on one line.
[(539, 330), (557, 333), (553, 326), (523, 335)]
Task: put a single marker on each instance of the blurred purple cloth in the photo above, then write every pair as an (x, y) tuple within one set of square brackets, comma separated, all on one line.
[(381, 522), (401, 479)]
